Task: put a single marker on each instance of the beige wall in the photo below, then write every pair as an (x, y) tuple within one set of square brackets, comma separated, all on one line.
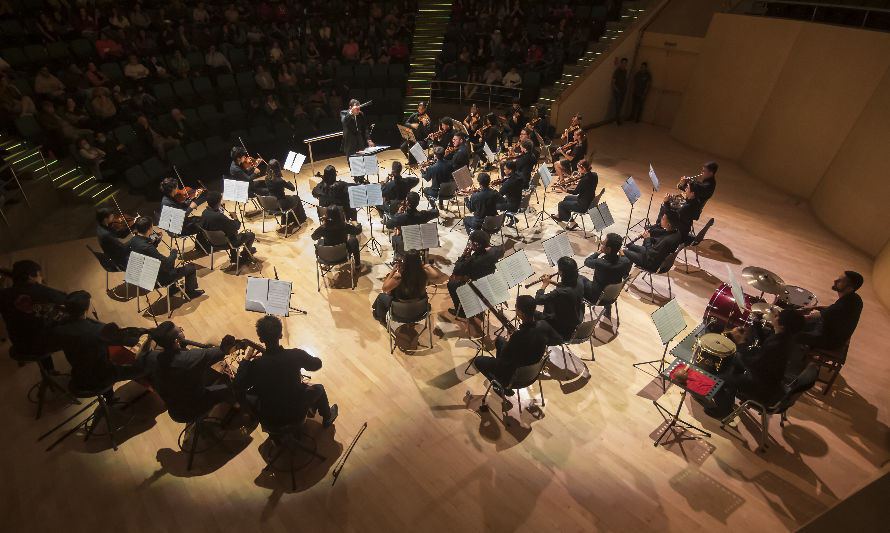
[(881, 275), (672, 59)]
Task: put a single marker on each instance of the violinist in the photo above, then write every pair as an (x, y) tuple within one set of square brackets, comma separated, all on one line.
[(515, 121), (478, 260), (172, 197), (141, 243), (527, 158), (564, 305), (110, 230), (406, 281), (28, 309), (483, 203), (335, 230), (213, 219), (511, 189), (460, 152), (245, 168), (487, 134), (332, 192), (526, 346), (581, 197), (569, 134), (396, 188), (408, 215), (444, 135), (422, 125), (180, 375), (473, 120), (575, 150), (276, 184), (85, 344), (538, 121), (438, 173)]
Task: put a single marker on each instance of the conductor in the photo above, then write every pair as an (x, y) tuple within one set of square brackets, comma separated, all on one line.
[(356, 132)]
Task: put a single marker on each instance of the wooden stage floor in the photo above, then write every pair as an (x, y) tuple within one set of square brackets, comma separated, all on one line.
[(428, 460)]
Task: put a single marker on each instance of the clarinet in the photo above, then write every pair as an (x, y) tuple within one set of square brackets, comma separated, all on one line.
[(532, 284)]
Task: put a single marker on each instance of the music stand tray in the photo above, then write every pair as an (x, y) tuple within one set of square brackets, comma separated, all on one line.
[(675, 415)]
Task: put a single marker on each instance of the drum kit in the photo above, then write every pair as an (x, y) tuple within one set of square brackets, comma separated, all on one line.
[(722, 314)]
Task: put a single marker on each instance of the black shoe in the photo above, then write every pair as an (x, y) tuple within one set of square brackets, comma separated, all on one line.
[(252, 249), (509, 392), (328, 422), (195, 293)]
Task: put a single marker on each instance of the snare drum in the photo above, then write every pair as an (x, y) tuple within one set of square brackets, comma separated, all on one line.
[(796, 297), (723, 311), (710, 351)]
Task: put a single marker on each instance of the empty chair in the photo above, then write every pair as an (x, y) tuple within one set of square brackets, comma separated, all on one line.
[(607, 298), (226, 86), (290, 439), (271, 207), (695, 242), (831, 360), (184, 91)]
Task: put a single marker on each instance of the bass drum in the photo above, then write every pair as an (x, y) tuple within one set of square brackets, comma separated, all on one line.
[(722, 314)]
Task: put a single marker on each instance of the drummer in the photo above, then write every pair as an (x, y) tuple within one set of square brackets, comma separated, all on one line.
[(831, 327), (758, 369)]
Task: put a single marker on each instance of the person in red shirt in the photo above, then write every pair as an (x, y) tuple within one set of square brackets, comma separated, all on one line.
[(350, 50), (108, 48), (398, 51)]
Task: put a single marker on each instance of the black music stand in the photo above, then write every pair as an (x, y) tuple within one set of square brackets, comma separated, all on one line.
[(669, 322), (632, 191), (645, 221), (675, 416)]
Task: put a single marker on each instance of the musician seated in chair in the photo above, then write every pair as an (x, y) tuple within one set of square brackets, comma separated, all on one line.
[(757, 370), (580, 197), (275, 380), (830, 327), (438, 173), (241, 169), (85, 342), (332, 192), (406, 281), (478, 260), (335, 230), (460, 155), (420, 122), (408, 215), (527, 158), (29, 308), (276, 184), (182, 377), (526, 346), (564, 305), (141, 243), (213, 219), (511, 190), (169, 186), (609, 267), (396, 188), (659, 242), (110, 240), (483, 203)]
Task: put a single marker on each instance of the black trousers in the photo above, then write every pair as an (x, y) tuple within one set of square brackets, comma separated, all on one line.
[(292, 202), (189, 272), (452, 286), (567, 206), (246, 238), (619, 103), (637, 255), (472, 223), (494, 368)]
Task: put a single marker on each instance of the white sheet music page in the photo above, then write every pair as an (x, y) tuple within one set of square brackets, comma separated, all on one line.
[(142, 271), (557, 246), (669, 321), (738, 293), (171, 219), (375, 194), (488, 153), (278, 297), (545, 174), (356, 165), (469, 302), (255, 294), (494, 288), (516, 268), (411, 237), (418, 152), (358, 195), (372, 168), (462, 177), (631, 190), (294, 162), (654, 178), (235, 191), (429, 235), (601, 217)]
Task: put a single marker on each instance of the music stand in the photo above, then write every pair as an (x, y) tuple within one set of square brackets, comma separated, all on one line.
[(654, 179), (421, 237), (236, 191), (675, 416), (269, 296), (601, 217), (546, 178), (171, 220), (367, 196), (142, 271), (632, 192), (472, 305), (669, 322), (515, 268), (418, 152), (463, 180), (557, 247)]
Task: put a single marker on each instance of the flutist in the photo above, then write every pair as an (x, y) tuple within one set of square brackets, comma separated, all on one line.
[(658, 243), (564, 305)]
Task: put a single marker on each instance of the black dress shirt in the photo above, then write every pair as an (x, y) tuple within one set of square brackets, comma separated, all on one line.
[(334, 235), (142, 245), (276, 186), (839, 320), (411, 217), (87, 352), (586, 190), (275, 378), (356, 133), (180, 379), (660, 244), (461, 157), (27, 310), (439, 173), (563, 306), (213, 220), (478, 264), (528, 344), (484, 203), (112, 245), (511, 190), (607, 270), (336, 193)]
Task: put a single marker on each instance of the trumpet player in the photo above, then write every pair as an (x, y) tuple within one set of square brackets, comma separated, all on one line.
[(579, 198)]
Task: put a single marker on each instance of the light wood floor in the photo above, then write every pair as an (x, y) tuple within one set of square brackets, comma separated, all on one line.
[(428, 461)]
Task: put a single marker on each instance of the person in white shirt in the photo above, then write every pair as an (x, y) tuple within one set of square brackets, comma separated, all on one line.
[(492, 75), (200, 14), (135, 70), (512, 79), (215, 59)]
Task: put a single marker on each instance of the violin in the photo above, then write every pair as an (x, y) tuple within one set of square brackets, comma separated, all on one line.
[(122, 222), (250, 162), (185, 194), (481, 131)]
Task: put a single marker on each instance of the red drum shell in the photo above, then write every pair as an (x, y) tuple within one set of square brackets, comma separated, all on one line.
[(723, 311)]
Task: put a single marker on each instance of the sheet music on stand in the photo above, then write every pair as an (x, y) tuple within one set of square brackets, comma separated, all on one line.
[(365, 195), (469, 302), (545, 174), (171, 219), (736, 288), (685, 348), (421, 236), (557, 246), (488, 153), (363, 165), (669, 321), (631, 190), (418, 152), (494, 288), (653, 177), (601, 216), (235, 191), (269, 296), (142, 271), (294, 162), (406, 133), (463, 178), (376, 149), (515, 268)]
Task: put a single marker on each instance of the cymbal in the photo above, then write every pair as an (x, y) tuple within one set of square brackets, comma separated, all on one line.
[(763, 280), (765, 309)]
